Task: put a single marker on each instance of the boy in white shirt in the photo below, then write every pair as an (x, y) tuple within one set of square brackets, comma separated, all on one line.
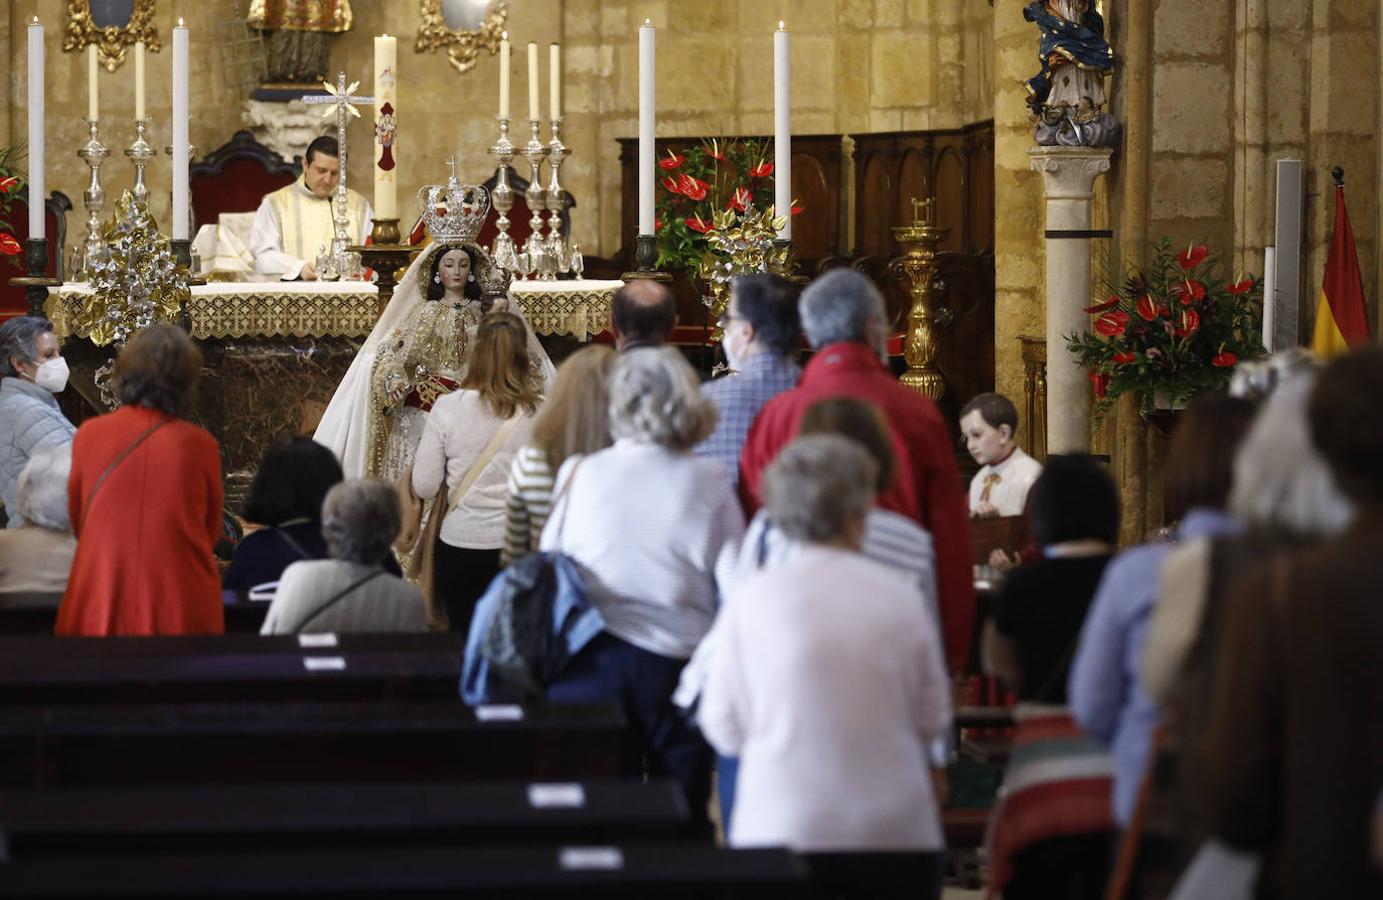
[(988, 424)]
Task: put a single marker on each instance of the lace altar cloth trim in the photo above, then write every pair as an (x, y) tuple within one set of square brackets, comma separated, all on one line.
[(578, 308)]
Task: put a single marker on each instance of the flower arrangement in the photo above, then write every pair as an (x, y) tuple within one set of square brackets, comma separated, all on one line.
[(1171, 331), (706, 189), (136, 282), (10, 184), (742, 243)]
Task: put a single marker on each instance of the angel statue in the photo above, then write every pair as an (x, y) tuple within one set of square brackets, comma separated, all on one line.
[(420, 347), (1067, 96)]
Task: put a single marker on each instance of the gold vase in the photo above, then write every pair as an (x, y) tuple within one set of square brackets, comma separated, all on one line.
[(919, 241)]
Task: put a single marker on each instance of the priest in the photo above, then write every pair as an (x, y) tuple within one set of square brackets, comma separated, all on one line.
[(295, 222)]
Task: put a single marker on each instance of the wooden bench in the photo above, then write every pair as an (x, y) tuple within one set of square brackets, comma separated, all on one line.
[(39, 825), (360, 741), (52, 671)]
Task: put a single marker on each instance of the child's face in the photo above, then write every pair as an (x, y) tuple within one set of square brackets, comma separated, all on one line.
[(986, 444)]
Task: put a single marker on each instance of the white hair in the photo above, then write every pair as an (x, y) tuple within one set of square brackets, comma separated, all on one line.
[(818, 484), (360, 519), (1280, 480), (42, 488), (655, 397), (838, 307)]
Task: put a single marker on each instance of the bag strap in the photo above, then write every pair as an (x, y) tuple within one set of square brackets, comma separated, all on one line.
[(292, 543), (478, 466), (115, 463), (337, 598), (566, 489)]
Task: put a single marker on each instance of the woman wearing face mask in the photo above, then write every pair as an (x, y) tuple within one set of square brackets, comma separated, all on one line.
[(32, 370)]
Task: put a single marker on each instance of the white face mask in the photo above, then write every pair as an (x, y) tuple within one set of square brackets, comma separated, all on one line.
[(52, 375)]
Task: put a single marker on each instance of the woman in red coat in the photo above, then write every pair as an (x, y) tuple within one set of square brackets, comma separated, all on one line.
[(145, 501)]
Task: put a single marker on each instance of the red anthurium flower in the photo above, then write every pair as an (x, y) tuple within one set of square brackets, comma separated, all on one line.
[(797, 210), (1147, 308), (1112, 323), (714, 151), (1242, 286), (8, 245), (698, 224), (740, 200), (1187, 323), (9, 184), (694, 188), (672, 161), (1224, 359), (1098, 308), (1125, 358), (1190, 292), (657, 224), (762, 170), (1193, 255), (1099, 381), (671, 185)]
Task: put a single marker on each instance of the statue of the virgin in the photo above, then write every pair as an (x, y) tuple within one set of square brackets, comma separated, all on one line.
[(420, 347)]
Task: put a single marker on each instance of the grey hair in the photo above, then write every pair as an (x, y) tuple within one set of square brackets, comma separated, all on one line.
[(1280, 479), (19, 337), (838, 306), (360, 519), (1255, 379), (42, 488), (818, 484), (655, 397)]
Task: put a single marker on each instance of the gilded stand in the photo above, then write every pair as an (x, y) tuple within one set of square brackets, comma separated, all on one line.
[(385, 258), (918, 264)]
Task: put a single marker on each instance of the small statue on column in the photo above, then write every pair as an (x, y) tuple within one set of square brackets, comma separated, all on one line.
[(1067, 97)]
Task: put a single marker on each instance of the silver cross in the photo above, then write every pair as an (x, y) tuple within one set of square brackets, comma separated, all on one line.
[(343, 101)]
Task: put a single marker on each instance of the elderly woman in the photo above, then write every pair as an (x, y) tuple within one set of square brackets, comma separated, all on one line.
[(36, 558), (32, 370), (145, 502), (656, 531), (352, 591), (830, 683)]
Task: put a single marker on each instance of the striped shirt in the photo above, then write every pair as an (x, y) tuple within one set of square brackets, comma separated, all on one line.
[(657, 533), (530, 501)]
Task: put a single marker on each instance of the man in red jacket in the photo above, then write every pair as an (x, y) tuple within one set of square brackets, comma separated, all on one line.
[(843, 317)]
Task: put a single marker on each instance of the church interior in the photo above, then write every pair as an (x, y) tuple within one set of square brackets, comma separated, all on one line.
[(407, 258)]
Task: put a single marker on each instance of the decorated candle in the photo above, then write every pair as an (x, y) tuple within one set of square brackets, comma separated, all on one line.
[(181, 151), (646, 150), (782, 133), (386, 113)]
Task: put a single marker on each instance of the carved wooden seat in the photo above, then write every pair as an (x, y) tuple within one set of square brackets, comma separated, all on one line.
[(236, 176)]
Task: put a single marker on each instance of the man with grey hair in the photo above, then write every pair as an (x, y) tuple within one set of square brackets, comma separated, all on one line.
[(32, 370), (844, 320), (352, 591), (36, 558)]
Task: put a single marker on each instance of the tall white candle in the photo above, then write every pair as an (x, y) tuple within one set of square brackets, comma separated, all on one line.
[(139, 80), (554, 61), (646, 149), (37, 188), (93, 91), (504, 76), (181, 121), (533, 79), (782, 132), (1269, 295), (386, 118)]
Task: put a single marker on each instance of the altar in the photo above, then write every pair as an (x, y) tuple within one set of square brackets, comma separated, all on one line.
[(275, 352)]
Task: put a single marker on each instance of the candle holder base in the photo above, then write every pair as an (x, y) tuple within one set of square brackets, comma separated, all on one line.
[(182, 255), (386, 260), (645, 258), (385, 232), (35, 282)]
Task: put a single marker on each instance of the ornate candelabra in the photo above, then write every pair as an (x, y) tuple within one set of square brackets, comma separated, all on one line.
[(93, 153), (502, 197), (919, 240), (140, 153), (556, 195), (536, 152)]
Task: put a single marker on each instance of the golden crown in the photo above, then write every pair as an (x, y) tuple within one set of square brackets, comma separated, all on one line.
[(454, 213)]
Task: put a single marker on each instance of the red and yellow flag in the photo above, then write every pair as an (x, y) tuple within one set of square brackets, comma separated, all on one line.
[(1340, 319)]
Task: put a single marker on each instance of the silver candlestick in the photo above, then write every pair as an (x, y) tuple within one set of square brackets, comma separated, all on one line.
[(93, 153), (536, 152), (502, 197), (556, 196), (140, 153)]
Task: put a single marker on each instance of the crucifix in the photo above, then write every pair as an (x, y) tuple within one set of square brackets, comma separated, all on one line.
[(342, 101)]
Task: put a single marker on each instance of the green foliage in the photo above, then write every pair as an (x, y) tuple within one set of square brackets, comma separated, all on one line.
[(718, 170)]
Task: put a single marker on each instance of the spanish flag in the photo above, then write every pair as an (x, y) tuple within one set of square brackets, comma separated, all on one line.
[(1340, 319)]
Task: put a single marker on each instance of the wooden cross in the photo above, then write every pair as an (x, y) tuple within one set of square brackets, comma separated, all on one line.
[(342, 101)]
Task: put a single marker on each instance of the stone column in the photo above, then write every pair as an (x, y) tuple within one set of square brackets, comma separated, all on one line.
[(1068, 181)]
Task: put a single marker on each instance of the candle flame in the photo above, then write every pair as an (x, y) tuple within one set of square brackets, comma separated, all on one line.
[(35, 21), (782, 26), (180, 22), (648, 23), (504, 35)]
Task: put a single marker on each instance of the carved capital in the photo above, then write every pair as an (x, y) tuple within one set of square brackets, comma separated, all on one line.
[(1068, 173)]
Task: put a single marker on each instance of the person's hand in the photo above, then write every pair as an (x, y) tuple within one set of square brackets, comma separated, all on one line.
[(308, 272), (1002, 561), (986, 510), (941, 787)]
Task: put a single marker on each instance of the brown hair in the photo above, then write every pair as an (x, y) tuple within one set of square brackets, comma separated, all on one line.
[(576, 417), (1200, 456), (995, 409), (862, 423), (1345, 425), (499, 367), (158, 369)]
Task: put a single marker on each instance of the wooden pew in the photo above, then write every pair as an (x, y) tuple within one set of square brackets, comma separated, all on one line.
[(40, 825), (668, 872), (359, 741), (51, 671)]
